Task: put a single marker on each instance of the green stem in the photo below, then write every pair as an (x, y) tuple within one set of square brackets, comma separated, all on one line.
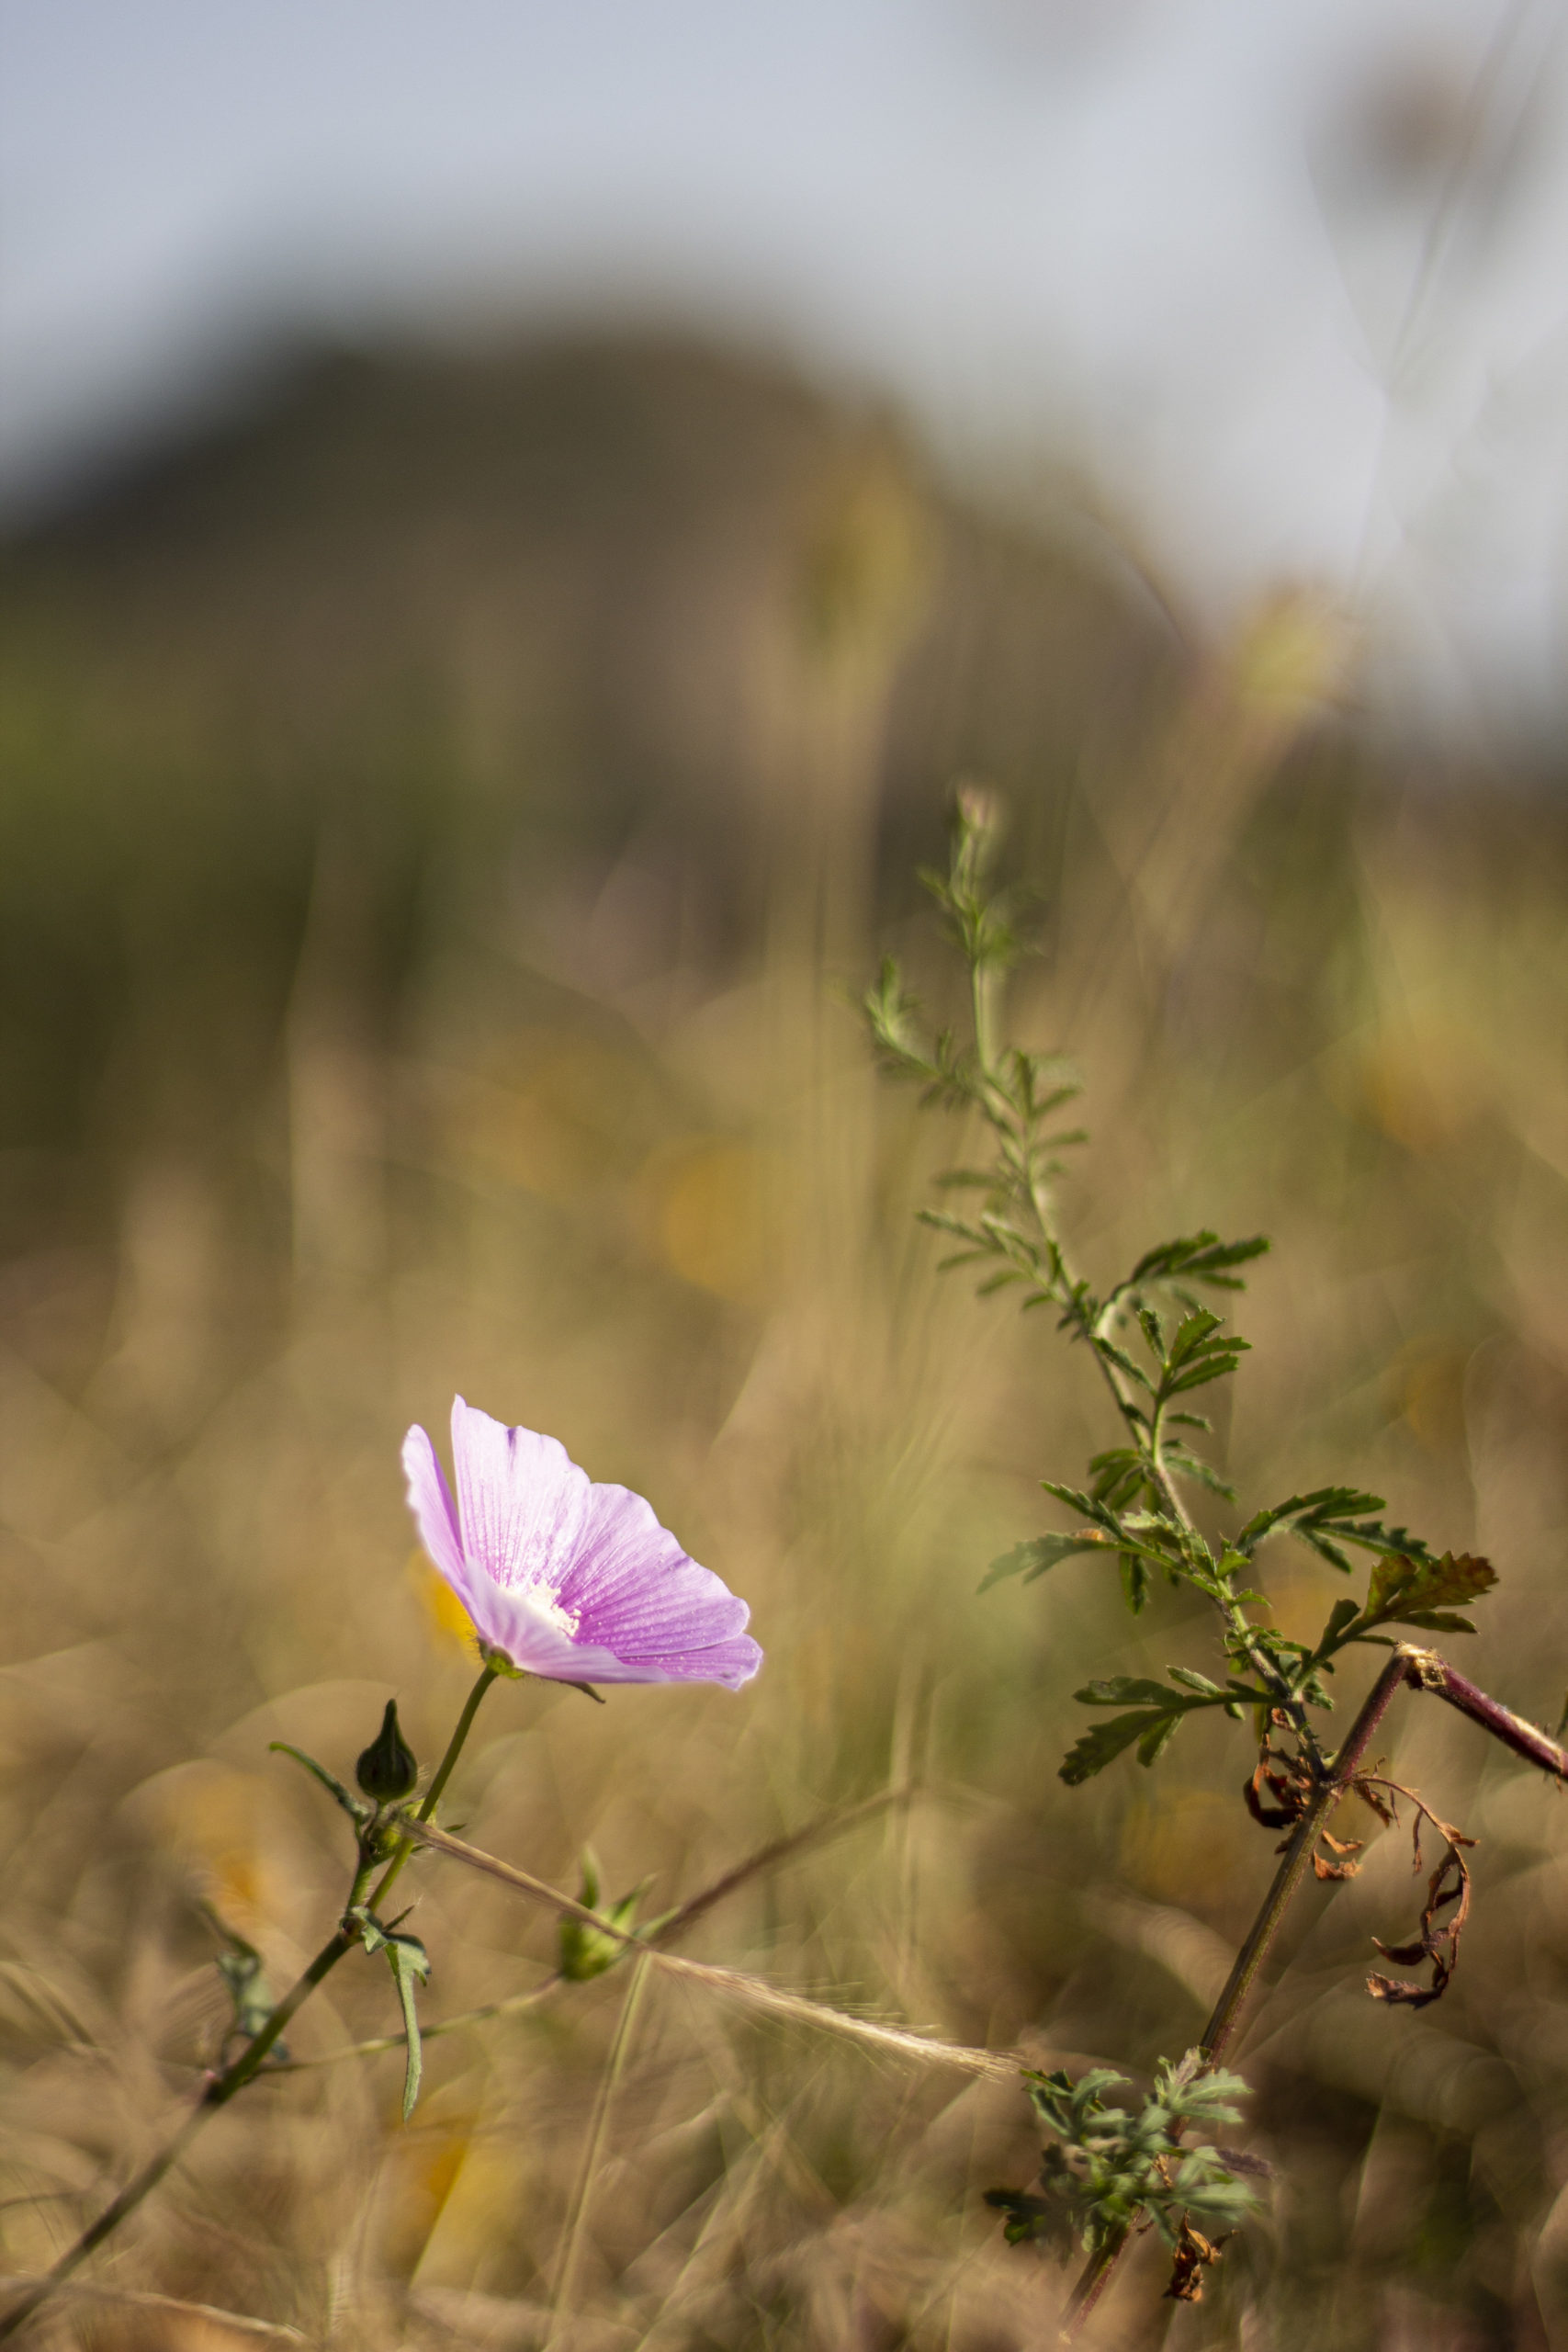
[(247, 2066), (1225, 2019)]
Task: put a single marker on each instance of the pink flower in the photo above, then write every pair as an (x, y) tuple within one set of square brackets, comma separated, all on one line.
[(565, 1579)]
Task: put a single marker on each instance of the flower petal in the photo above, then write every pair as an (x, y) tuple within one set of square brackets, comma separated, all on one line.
[(635, 1592), (430, 1499), (521, 1500)]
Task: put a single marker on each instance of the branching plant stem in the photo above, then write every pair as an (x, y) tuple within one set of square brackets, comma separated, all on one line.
[(1416, 1669), (244, 2069), (1132, 1508)]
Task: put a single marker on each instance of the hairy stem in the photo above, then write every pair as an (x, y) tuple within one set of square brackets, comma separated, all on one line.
[(247, 2066)]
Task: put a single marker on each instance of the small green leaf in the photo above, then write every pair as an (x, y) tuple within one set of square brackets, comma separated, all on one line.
[(1125, 1364), (1159, 1736), (1406, 1592), (1343, 1614), (1126, 1690), (1042, 1552), (1190, 1679), (410, 1964), (1104, 1743), (585, 1951), (1192, 1467), (357, 1809), (1135, 1581)]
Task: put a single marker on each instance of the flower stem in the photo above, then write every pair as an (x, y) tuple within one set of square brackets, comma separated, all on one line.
[(247, 2066), (434, 1793)]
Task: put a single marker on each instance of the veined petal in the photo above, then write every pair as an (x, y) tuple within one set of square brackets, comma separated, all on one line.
[(430, 1499), (521, 1500), (633, 1590), (573, 1582)]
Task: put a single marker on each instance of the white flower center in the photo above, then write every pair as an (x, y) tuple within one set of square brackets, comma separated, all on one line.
[(565, 1621)]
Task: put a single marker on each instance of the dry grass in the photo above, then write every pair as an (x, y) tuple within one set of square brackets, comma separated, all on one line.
[(672, 1225)]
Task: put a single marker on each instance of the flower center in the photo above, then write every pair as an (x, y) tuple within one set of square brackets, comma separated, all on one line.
[(565, 1621)]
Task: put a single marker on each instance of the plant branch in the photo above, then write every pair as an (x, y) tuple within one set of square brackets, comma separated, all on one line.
[(733, 1982), (1428, 1673), (244, 2069), (664, 1932), (1414, 1670)]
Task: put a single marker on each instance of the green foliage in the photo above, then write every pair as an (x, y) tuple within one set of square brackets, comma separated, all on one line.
[(1157, 1713), (1155, 1344), (410, 1964), (587, 1951), (245, 1979), (1328, 1519), (1104, 2170), (359, 1809)]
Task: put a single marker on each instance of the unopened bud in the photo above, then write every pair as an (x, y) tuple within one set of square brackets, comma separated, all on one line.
[(387, 1770)]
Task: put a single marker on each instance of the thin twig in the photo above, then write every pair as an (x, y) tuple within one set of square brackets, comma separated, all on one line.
[(798, 1841), (576, 2219), (134, 2298), (754, 1991)]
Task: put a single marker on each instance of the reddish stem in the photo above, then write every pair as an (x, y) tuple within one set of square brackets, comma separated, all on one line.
[(1427, 1671)]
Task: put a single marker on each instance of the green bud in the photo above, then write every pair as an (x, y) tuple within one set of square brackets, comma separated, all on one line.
[(387, 1770)]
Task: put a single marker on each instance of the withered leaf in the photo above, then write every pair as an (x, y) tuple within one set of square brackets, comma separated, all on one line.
[(1193, 2252), (1435, 1945)]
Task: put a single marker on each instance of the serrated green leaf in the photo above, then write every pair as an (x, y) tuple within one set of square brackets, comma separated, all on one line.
[(1406, 1590), (1192, 1467), (1127, 1366), (1103, 1743), (1198, 1374), (1192, 1333), (1202, 1255), (1159, 1736), (1042, 1552)]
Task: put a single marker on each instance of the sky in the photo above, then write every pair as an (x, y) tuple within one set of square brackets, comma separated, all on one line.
[(1287, 283)]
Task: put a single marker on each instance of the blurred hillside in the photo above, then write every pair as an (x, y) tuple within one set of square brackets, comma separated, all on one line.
[(444, 811), (575, 644)]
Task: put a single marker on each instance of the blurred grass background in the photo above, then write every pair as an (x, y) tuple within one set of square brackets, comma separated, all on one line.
[(449, 810)]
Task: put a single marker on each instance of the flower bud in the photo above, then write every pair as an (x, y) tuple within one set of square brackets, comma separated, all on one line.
[(387, 1770)]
